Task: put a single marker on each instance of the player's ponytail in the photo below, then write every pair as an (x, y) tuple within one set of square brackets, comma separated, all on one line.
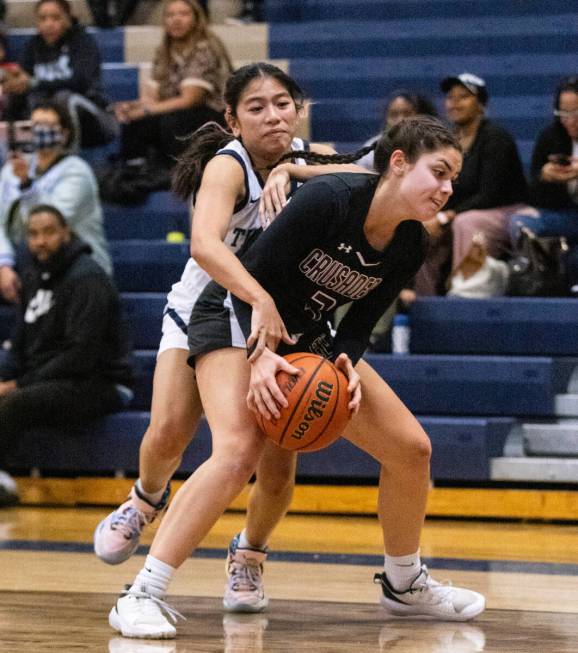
[(321, 159), (188, 171), (413, 136)]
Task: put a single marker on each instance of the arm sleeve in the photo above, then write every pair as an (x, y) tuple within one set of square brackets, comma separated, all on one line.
[(68, 195), (11, 364), (87, 309), (27, 57), (6, 247), (497, 158), (301, 224)]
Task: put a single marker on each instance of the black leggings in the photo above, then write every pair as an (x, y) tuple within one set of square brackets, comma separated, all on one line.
[(53, 403), (164, 133)]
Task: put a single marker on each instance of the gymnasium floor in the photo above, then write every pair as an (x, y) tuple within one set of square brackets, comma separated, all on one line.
[(55, 595)]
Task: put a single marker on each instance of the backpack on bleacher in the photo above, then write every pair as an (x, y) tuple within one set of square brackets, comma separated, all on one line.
[(538, 267), (127, 184)]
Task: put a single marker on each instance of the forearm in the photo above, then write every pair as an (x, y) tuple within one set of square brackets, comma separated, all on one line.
[(228, 271), (178, 103)]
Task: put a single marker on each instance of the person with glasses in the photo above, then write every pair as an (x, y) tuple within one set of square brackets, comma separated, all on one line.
[(554, 172)]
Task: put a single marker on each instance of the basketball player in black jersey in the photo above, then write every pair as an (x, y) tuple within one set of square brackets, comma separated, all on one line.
[(342, 238)]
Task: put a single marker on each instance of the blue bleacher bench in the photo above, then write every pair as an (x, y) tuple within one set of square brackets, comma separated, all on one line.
[(462, 449)]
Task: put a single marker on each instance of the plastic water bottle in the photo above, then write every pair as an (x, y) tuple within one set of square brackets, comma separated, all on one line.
[(400, 334)]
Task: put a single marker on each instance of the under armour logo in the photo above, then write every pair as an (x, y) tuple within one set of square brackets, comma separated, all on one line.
[(345, 248)]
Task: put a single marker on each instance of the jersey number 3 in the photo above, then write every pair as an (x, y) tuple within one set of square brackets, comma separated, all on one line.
[(318, 304)]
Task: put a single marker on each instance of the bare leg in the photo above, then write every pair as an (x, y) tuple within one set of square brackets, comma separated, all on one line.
[(175, 412), (222, 377), (271, 494), (386, 430)]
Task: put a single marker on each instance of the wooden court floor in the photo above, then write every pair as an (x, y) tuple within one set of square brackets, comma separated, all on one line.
[(55, 595)]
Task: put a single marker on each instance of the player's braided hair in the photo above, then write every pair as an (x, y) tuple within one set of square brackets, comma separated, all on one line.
[(413, 136), (210, 138)]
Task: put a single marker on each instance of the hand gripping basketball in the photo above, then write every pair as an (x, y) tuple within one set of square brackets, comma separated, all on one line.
[(318, 400)]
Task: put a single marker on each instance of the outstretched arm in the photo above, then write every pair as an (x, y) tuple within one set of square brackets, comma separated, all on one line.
[(276, 189), (221, 188)]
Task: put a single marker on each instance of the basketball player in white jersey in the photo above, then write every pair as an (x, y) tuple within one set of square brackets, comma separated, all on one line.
[(263, 109)]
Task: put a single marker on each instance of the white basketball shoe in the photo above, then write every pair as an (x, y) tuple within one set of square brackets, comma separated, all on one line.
[(427, 599)]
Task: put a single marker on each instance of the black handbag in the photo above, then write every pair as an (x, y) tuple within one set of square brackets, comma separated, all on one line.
[(538, 267), (122, 183)]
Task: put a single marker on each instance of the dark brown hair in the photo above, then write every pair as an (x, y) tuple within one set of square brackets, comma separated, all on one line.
[(211, 137), (413, 136), (63, 4)]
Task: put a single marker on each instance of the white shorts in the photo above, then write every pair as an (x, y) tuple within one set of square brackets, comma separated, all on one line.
[(173, 335)]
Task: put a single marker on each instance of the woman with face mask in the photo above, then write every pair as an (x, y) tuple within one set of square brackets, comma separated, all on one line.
[(49, 176)]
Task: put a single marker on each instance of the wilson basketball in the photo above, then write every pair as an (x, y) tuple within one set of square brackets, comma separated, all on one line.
[(317, 412)]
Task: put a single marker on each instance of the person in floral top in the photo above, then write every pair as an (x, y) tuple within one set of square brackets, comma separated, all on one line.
[(189, 71)]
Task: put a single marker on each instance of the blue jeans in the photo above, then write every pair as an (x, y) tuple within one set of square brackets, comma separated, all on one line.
[(560, 222)]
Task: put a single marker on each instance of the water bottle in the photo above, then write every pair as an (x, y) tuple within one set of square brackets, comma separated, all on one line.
[(400, 334)]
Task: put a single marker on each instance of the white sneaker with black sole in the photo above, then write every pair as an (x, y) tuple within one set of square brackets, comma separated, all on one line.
[(425, 598)]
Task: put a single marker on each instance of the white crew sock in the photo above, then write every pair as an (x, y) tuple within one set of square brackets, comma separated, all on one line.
[(154, 498), (245, 544), (401, 571), (153, 578)]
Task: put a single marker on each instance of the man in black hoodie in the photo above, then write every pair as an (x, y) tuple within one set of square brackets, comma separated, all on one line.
[(69, 361)]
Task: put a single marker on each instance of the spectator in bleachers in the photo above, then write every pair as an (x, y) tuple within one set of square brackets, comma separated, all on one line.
[(62, 63), (400, 104), (185, 91), (251, 11), (106, 13), (69, 360), (554, 172), (50, 176), (491, 187)]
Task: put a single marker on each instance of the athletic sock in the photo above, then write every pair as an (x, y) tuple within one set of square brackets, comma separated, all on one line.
[(245, 544), (401, 571), (154, 577), (154, 498)]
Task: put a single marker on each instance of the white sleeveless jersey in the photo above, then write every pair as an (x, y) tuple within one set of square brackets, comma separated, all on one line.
[(244, 222)]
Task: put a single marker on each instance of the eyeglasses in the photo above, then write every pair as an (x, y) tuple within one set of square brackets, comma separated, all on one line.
[(566, 115)]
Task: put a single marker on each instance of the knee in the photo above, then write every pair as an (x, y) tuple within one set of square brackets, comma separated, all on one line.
[(468, 221), (415, 452), (238, 466), (168, 437)]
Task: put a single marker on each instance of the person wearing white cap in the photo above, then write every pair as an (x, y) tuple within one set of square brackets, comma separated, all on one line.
[(491, 187)]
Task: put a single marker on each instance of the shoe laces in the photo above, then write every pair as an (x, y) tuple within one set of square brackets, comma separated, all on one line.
[(438, 592), (129, 521), (149, 605), (245, 575)]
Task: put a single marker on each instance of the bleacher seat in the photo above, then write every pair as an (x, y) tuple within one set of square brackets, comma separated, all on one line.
[(161, 213), (282, 11), (462, 449), (147, 265), (516, 326), (110, 42)]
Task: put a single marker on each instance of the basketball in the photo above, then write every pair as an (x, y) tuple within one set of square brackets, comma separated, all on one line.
[(317, 412)]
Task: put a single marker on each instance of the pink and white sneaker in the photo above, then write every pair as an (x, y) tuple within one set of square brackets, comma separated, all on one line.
[(244, 591), (117, 536)]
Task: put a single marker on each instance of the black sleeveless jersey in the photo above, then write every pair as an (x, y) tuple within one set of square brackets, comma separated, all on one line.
[(316, 257)]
